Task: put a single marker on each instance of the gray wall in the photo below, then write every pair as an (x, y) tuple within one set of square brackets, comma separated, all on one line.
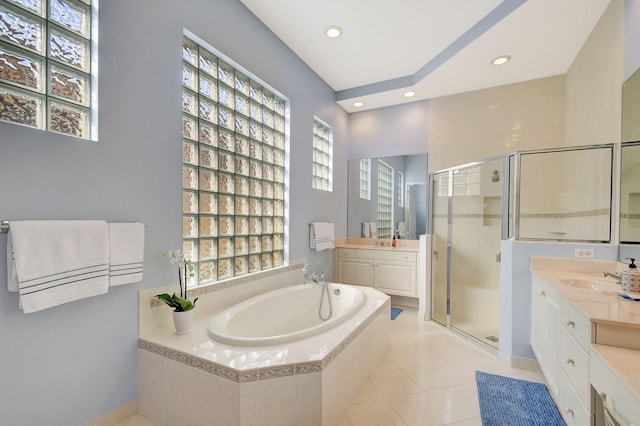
[(70, 364)]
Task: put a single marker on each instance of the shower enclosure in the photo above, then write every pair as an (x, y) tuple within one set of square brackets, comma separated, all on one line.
[(561, 194), (467, 226)]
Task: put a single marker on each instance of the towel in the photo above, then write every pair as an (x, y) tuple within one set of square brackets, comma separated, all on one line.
[(321, 236), (401, 230), (126, 253), (55, 262), (366, 230), (373, 229)]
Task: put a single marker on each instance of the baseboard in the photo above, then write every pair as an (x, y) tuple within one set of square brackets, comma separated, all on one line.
[(525, 364), (117, 415)]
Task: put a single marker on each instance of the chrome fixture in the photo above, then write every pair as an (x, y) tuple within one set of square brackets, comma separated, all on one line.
[(616, 276), (315, 273)]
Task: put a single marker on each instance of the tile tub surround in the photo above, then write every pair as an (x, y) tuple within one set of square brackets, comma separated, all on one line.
[(298, 383)]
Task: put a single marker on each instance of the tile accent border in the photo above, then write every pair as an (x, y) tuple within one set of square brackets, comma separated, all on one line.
[(233, 282), (252, 375)]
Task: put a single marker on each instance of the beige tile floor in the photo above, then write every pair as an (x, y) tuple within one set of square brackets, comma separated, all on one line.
[(426, 377)]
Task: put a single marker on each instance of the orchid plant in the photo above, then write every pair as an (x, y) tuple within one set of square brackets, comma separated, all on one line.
[(186, 269)]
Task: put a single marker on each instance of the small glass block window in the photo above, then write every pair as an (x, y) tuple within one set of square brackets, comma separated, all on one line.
[(322, 155), (45, 65), (385, 199), (233, 163), (365, 179), (400, 190)]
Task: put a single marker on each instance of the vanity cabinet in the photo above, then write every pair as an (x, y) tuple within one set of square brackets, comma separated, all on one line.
[(392, 271), (560, 339), (545, 332)]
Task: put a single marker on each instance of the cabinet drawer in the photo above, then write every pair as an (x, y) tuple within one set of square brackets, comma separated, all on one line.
[(405, 256), (346, 252), (376, 254), (578, 326), (575, 363), (570, 407)]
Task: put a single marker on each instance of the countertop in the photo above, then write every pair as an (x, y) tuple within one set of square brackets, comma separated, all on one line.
[(372, 247), (624, 362), (595, 297)]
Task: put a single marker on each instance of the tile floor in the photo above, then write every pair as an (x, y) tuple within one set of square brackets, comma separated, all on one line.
[(426, 377)]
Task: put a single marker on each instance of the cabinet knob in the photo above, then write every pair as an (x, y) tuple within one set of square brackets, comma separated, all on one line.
[(570, 362), (571, 324), (569, 411), (542, 293)]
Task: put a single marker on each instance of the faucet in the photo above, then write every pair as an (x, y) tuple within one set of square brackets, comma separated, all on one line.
[(616, 276), (314, 272)]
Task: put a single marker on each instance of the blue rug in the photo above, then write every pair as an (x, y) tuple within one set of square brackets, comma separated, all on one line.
[(395, 312), (506, 401)]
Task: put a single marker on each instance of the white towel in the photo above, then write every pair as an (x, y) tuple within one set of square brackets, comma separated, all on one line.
[(366, 230), (321, 236), (402, 230), (126, 253), (55, 262), (373, 229)]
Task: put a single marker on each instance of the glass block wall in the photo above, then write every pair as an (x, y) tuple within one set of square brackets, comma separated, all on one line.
[(365, 179), (385, 199), (322, 150), (233, 169), (45, 65)]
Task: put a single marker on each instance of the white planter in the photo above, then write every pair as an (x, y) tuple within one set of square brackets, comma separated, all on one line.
[(182, 321)]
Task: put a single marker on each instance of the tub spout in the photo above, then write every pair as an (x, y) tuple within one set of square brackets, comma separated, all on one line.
[(315, 272)]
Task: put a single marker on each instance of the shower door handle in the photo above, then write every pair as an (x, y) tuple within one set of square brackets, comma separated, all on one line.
[(499, 257)]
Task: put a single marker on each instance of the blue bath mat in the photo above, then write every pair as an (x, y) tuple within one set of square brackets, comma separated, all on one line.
[(395, 312), (506, 401)]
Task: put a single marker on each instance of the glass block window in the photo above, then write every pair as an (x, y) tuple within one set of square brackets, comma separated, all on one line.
[(365, 179), (322, 155), (234, 147), (400, 190), (385, 199), (45, 64)]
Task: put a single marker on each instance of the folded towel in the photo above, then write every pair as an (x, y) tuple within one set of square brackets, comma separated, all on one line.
[(366, 230), (56, 262), (321, 236), (373, 229), (126, 253)]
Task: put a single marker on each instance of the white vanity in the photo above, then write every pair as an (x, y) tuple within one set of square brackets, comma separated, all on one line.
[(586, 340), (391, 270)]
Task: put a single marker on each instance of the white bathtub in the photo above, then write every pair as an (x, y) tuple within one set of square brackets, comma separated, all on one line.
[(284, 315)]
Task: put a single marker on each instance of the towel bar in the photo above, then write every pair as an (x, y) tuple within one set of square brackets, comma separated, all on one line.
[(4, 226)]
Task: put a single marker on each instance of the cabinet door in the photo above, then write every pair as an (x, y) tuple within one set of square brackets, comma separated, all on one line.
[(395, 278), (355, 271), (546, 326)]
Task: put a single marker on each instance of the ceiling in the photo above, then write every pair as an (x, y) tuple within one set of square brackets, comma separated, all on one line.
[(432, 47)]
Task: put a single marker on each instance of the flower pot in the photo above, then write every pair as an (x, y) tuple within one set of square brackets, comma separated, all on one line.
[(182, 321)]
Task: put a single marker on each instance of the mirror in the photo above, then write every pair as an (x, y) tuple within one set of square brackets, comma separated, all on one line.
[(405, 214), (630, 161)]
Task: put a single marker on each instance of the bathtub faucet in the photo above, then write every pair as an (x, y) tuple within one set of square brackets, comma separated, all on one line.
[(315, 272)]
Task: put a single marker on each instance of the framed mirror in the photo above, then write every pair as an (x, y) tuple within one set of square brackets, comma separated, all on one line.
[(391, 193), (630, 161)]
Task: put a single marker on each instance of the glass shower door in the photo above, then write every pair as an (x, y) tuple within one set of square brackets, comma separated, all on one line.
[(440, 249), (476, 231)]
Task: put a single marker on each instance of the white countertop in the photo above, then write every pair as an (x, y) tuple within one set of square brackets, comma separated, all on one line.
[(624, 362), (600, 302)]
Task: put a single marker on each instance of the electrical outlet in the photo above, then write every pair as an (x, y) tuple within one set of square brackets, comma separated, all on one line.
[(583, 253)]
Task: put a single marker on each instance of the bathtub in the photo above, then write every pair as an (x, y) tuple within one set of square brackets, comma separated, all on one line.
[(284, 315)]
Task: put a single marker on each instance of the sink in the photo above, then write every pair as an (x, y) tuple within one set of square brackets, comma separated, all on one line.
[(595, 285)]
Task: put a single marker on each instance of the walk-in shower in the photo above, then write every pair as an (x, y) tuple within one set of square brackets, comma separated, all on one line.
[(559, 194)]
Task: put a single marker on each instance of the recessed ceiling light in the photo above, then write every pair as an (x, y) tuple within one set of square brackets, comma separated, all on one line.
[(409, 94), (358, 104), (333, 31), (501, 60)]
